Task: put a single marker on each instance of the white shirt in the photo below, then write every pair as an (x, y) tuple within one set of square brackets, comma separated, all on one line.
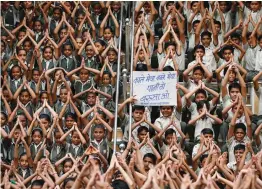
[(162, 122), (250, 58), (207, 64), (209, 57), (202, 124), (196, 148), (258, 60), (231, 143), (255, 16)]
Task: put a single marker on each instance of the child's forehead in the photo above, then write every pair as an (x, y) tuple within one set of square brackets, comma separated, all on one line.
[(99, 129)]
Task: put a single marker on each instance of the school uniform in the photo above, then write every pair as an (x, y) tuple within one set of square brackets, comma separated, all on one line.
[(6, 128), (68, 63), (162, 122), (57, 152), (34, 148), (80, 86), (228, 19), (97, 20), (29, 107), (258, 60), (52, 25), (250, 62), (108, 89), (15, 84), (38, 36), (10, 148), (25, 173), (231, 143), (75, 150), (255, 16), (48, 64), (59, 105), (93, 62), (10, 17), (209, 57), (125, 126), (85, 107), (103, 147)]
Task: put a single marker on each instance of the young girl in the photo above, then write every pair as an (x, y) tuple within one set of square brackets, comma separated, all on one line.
[(78, 144), (36, 140), (107, 32), (4, 123), (107, 88), (142, 62)]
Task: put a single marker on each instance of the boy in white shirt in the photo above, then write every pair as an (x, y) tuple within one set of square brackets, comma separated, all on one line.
[(204, 119)]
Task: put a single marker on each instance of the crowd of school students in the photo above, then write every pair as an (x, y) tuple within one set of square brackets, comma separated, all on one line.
[(59, 65)]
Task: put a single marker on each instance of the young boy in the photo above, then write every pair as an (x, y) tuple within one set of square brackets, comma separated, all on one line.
[(137, 116), (237, 135), (202, 148), (168, 114), (199, 71), (100, 141), (204, 119)]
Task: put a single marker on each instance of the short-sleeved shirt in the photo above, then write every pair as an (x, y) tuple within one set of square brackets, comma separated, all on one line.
[(201, 124), (255, 16), (258, 60), (162, 122), (196, 148), (231, 143), (250, 58)]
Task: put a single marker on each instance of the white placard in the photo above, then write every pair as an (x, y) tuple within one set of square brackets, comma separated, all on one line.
[(155, 88)]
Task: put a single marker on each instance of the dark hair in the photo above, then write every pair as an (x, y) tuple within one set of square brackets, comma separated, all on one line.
[(99, 126), (37, 130), (217, 22), (235, 35), (207, 131), (67, 44), (172, 107), (198, 68), (259, 38), (201, 91), (102, 42), (46, 47), (169, 44), (112, 49), (169, 132), (67, 160), (70, 114), (4, 114), (151, 156), (206, 33), (234, 85), (45, 116), (24, 90), (136, 107), (119, 184), (239, 147), (68, 180), (228, 47), (58, 8), (168, 68), (199, 47), (142, 128), (107, 73), (38, 183), (201, 103), (23, 154), (203, 157), (195, 22), (15, 66), (108, 27), (240, 126)]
